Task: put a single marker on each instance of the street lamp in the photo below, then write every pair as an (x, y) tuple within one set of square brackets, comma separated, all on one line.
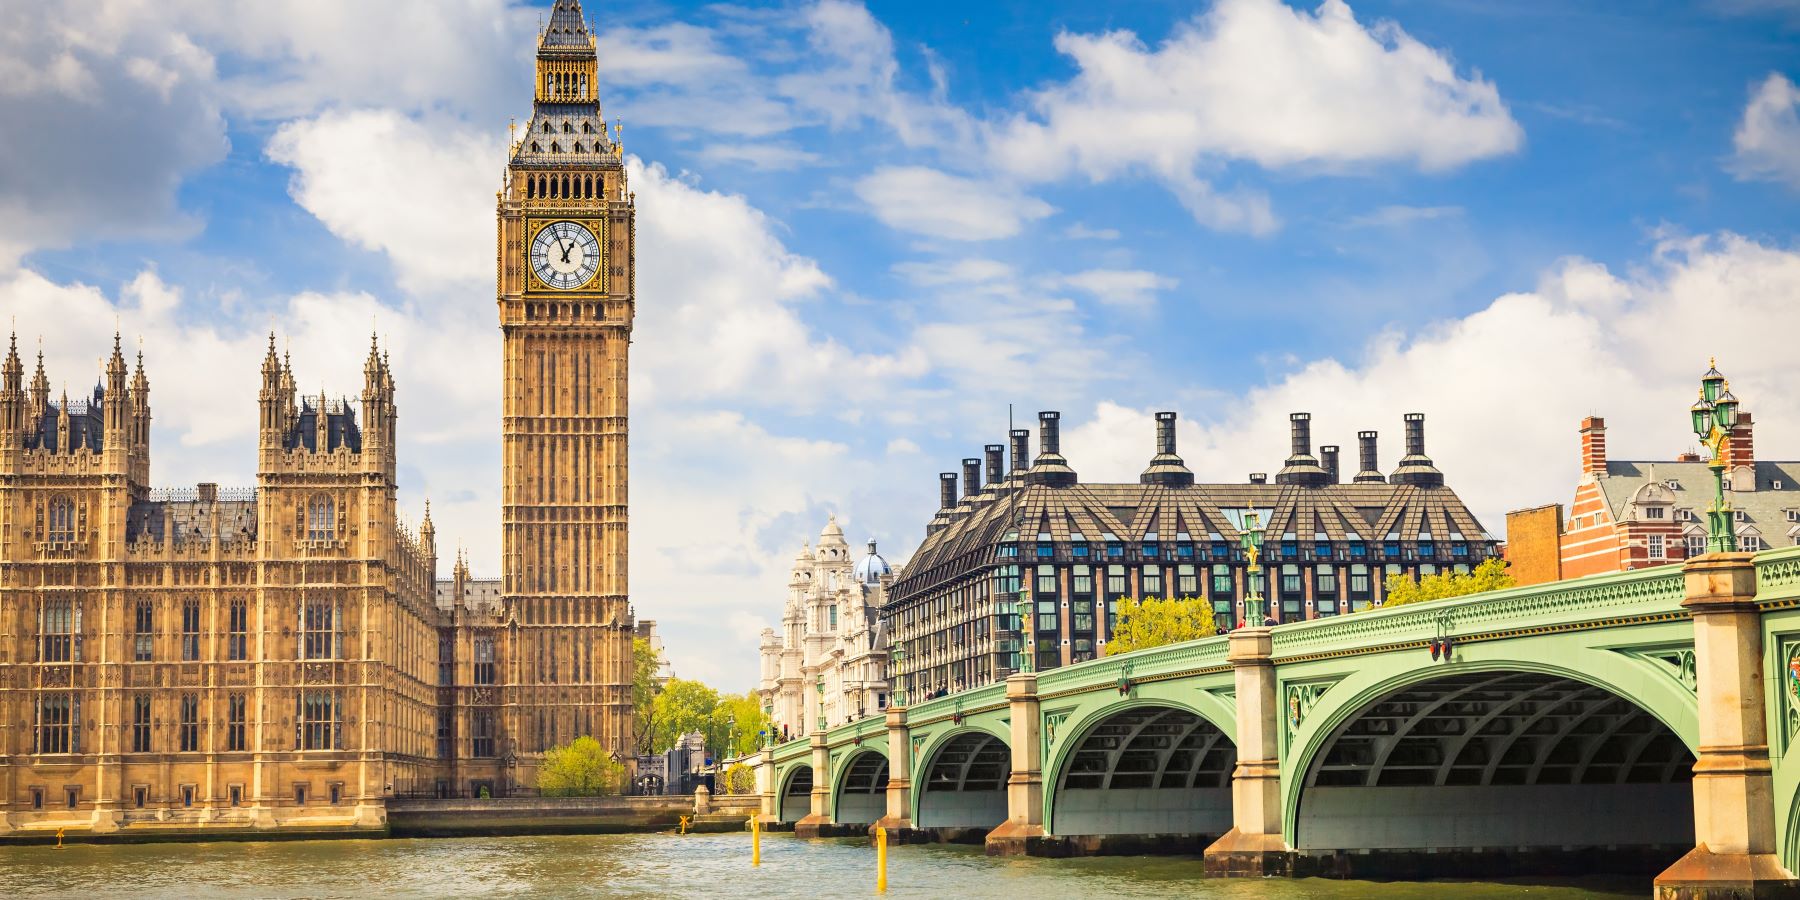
[(897, 661), (1714, 417), (1251, 538)]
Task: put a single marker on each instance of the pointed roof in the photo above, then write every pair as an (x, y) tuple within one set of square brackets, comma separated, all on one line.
[(568, 27)]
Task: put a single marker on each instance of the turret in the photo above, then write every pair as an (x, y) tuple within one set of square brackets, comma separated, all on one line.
[(1301, 467), (1050, 468), (1415, 467), (12, 396), (114, 407), (1166, 468), (38, 401)]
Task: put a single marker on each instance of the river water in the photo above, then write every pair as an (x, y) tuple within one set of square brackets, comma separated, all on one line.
[(660, 866)]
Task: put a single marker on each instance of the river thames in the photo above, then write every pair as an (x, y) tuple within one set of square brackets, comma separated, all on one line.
[(658, 866)]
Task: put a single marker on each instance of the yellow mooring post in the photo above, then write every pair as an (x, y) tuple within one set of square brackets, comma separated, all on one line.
[(684, 823), (59, 833), (881, 860), (755, 842)]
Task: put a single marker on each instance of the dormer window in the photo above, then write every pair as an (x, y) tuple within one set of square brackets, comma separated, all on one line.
[(1672, 485), (1775, 485), (568, 129), (548, 128)]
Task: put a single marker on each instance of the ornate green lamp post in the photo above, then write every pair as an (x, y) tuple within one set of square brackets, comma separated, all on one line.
[(897, 659), (821, 686), (1250, 537), (1714, 416)]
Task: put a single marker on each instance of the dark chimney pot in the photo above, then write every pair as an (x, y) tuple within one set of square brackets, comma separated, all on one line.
[(1166, 467), (1021, 449), (996, 457), (1050, 467), (1301, 467), (1259, 478), (971, 475), (946, 490), (1415, 468), (1370, 469), (1328, 457), (1049, 433)]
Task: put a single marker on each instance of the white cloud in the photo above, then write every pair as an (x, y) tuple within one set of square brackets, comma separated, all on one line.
[(1120, 287), (940, 205), (416, 190), (1768, 138), (1255, 81), (1505, 388), (761, 156), (1080, 232)]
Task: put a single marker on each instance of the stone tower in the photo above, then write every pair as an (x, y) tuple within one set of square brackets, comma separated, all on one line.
[(566, 306)]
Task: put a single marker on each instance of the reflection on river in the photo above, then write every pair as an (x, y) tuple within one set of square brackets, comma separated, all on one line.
[(659, 866)]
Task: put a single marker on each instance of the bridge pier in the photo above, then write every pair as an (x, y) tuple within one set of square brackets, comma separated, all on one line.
[(819, 815), (1024, 825), (1254, 846), (898, 820), (768, 808), (1734, 851)]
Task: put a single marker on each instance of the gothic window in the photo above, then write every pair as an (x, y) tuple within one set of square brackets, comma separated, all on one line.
[(567, 128), (62, 520), (316, 720), (61, 620), (189, 728), (321, 518), (446, 661), (140, 723), (577, 146), (482, 741), (190, 630), (555, 147), (56, 715), (143, 638), (484, 659), (443, 733), (318, 629), (237, 707), (536, 147), (237, 639)]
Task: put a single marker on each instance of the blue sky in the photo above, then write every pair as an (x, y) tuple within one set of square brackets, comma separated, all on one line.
[(865, 230)]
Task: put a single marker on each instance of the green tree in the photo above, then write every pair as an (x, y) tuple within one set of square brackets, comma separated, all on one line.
[(580, 768), (1489, 576), (681, 707), (735, 721), (739, 779), (1151, 622), (644, 663)]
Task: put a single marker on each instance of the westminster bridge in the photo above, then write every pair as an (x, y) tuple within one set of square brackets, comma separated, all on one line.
[(1617, 721)]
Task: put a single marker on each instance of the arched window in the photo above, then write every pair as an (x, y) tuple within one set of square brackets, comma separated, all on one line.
[(568, 129), (62, 520), (321, 518), (547, 128), (535, 148), (577, 146)]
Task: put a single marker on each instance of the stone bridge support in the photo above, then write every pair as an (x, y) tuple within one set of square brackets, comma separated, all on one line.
[(1024, 823), (768, 792), (1254, 846), (898, 821), (820, 814), (1735, 853)]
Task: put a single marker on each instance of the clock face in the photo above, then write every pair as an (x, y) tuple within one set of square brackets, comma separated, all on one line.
[(565, 255)]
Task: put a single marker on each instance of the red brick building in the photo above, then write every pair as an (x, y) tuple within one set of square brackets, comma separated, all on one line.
[(1634, 514)]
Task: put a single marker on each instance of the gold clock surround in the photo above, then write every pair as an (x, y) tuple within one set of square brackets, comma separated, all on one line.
[(598, 283)]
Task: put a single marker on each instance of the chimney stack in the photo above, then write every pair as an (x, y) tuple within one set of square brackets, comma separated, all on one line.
[(1165, 467), (1259, 478), (1370, 471), (1021, 449), (947, 490), (1050, 467), (1415, 467), (996, 459), (1301, 467), (1328, 458), (1593, 446), (971, 476), (1739, 448)]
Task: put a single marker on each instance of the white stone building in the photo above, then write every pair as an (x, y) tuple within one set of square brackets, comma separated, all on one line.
[(829, 662)]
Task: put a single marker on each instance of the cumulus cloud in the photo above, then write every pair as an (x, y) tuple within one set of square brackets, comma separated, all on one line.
[(418, 191), (1258, 82), (1505, 387), (937, 204), (1767, 141)]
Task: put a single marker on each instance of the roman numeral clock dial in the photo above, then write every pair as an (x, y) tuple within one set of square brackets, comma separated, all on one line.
[(565, 255)]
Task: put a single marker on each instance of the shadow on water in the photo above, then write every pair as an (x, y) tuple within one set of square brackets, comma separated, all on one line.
[(661, 866)]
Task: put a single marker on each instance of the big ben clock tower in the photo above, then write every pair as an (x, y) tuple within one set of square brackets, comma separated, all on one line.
[(566, 305)]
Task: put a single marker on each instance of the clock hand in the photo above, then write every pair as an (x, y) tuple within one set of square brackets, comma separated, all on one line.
[(565, 250)]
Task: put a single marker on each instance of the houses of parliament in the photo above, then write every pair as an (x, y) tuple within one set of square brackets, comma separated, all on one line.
[(283, 656)]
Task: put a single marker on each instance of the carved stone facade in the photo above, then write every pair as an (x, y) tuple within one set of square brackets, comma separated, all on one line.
[(829, 665), (566, 304), (205, 659)]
